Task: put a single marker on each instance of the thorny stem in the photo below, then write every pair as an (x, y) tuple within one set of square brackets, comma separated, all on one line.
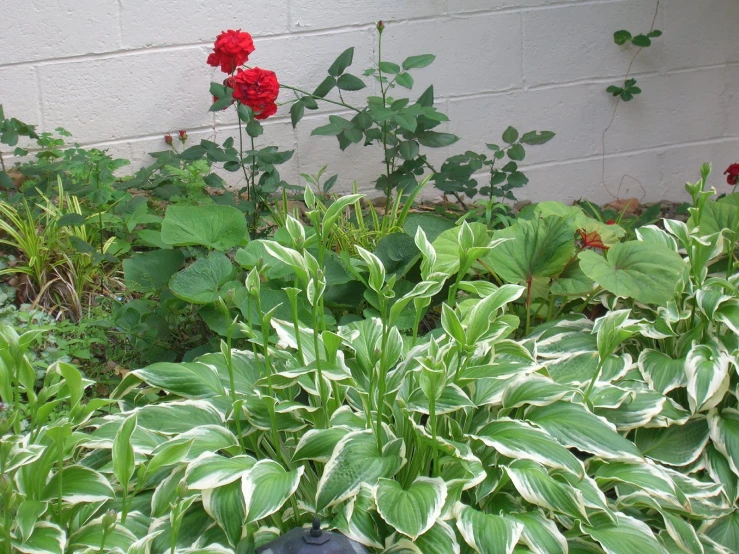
[(618, 103)]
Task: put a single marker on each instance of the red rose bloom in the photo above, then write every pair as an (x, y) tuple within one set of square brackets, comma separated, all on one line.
[(258, 89), (231, 50), (732, 174)]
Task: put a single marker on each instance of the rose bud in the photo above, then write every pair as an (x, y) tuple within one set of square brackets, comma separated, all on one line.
[(168, 138)]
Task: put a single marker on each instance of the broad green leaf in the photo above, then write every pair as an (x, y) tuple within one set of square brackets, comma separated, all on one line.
[(266, 487), (211, 470), (537, 137), (150, 271), (682, 533), (350, 82), (172, 418), (724, 430), (212, 226), (440, 539), (226, 505), (487, 534), (343, 61), (535, 485), (91, 536), (720, 471), (725, 531), (206, 438), (414, 510), (435, 139), (187, 379), (647, 477), (534, 390), (624, 536), (541, 534), (575, 427), (707, 371), (47, 538), (661, 372), (645, 272), (416, 62), (519, 440), (449, 253), (123, 459), (27, 516), (535, 248), (200, 282), (318, 444), (79, 484), (355, 460), (677, 445)]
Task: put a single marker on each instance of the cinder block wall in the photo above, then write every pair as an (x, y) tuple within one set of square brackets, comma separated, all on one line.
[(121, 73)]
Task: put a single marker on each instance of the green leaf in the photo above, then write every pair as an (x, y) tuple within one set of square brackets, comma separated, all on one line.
[(724, 430), (517, 152), (389, 67), (533, 138), (536, 486), (575, 427), (661, 372), (46, 538), (510, 135), (151, 271), (488, 534), (408, 149), (341, 63), (27, 516), (541, 534), (325, 87), (187, 379), (519, 440), (355, 460), (254, 128), (434, 139), (79, 484), (200, 282), (707, 371), (212, 226), (646, 272), (124, 462), (417, 62), (414, 510), (350, 82), (535, 248), (212, 470), (725, 531), (621, 37), (406, 121), (641, 41), (226, 505), (244, 112), (194, 152), (267, 487), (405, 80), (296, 112), (677, 445), (625, 535), (440, 539)]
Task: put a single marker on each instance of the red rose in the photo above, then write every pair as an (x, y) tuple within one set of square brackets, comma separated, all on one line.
[(168, 138), (183, 135), (732, 174), (231, 50), (258, 89)]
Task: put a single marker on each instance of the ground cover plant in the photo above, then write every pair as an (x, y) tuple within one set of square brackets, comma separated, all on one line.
[(555, 381)]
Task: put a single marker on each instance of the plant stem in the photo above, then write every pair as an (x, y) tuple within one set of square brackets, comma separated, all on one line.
[(432, 418), (319, 98), (528, 305), (593, 380)]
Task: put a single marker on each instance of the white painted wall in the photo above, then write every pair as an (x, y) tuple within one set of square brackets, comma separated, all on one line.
[(121, 73)]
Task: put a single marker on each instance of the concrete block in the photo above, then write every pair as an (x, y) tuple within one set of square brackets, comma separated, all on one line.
[(575, 42), (48, 29), (19, 94), (190, 21), (339, 13)]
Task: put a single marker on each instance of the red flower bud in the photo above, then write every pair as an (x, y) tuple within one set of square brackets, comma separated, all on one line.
[(380, 26), (183, 135), (168, 138), (610, 222)]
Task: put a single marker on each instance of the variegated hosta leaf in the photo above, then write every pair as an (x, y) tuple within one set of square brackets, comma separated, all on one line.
[(707, 369), (536, 486), (226, 505), (645, 476), (91, 536), (541, 534), (266, 487), (678, 445), (579, 368), (719, 469), (189, 380), (728, 314), (440, 539), (27, 516), (208, 438), (574, 426), (517, 439), (624, 536), (210, 470), (637, 410), (122, 453), (534, 390), (46, 538), (414, 510), (172, 418), (485, 533), (319, 444), (79, 484), (451, 400), (661, 372), (358, 519), (725, 531), (724, 428), (355, 460), (682, 533)]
